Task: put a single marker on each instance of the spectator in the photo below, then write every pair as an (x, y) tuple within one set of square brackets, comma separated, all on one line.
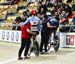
[(17, 21), (57, 16), (24, 17), (73, 7), (53, 1), (42, 11), (28, 13), (68, 10)]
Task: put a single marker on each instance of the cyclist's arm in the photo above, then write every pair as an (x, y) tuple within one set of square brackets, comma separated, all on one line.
[(50, 26), (30, 32), (39, 24)]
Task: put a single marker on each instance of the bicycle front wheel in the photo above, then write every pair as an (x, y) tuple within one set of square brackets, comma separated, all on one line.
[(56, 45)]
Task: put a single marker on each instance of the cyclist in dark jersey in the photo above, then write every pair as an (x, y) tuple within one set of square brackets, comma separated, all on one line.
[(52, 24)]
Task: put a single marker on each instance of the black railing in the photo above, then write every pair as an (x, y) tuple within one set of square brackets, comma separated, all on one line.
[(67, 28)]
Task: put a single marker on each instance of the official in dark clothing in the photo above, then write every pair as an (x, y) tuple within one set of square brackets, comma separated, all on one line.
[(44, 36)]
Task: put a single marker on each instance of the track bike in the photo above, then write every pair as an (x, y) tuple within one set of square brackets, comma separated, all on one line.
[(34, 47), (53, 42)]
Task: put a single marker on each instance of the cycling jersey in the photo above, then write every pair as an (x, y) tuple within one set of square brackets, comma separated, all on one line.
[(34, 22), (53, 21)]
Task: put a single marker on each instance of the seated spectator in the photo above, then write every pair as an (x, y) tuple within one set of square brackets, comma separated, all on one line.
[(42, 10), (53, 1), (63, 27), (73, 7), (17, 21), (68, 10)]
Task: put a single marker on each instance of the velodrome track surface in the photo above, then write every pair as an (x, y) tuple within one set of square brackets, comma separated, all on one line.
[(9, 52)]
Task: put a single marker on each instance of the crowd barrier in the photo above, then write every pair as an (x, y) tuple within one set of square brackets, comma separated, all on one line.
[(10, 36), (14, 36), (67, 39)]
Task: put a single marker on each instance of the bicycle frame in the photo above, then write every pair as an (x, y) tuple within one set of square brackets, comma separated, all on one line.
[(52, 38), (53, 42)]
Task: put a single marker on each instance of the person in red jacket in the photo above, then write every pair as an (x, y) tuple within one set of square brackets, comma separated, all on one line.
[(25, 40)]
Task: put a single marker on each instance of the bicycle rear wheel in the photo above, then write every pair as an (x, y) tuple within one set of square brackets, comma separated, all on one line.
[(36, 48)]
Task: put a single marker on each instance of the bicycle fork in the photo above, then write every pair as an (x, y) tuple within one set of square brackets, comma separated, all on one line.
[(52, 38)]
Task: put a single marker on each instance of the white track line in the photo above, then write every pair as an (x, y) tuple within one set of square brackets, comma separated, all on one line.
[(7, 61)]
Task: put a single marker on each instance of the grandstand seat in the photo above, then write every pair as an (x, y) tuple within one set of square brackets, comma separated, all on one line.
[(20, 7), (20, 12), (70, 20), (3, 15), (11, 12), (11, 19), (2, 1), (12, 9), (5, 6), (1, 8), (22, 3), (64, 1)]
